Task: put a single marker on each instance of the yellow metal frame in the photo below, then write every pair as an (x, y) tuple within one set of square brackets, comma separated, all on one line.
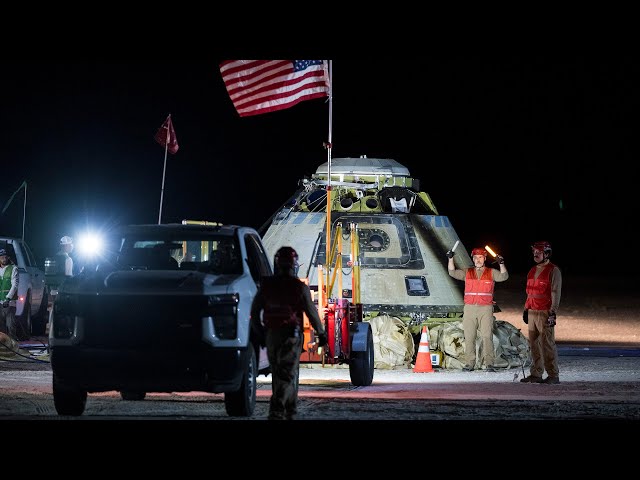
[(335, 257)]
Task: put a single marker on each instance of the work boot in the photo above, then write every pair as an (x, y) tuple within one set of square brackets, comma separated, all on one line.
[(551, 380), (467, 368), (276, 416), (490, 368), (290, 415), (531, 379)]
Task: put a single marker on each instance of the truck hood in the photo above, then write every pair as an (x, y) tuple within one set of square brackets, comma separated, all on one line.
[(154, 282)]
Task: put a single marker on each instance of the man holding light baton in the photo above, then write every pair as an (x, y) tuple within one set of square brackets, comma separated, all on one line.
[(478, 304)]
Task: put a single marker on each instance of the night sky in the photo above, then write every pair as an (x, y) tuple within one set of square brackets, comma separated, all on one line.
[(512, 150)]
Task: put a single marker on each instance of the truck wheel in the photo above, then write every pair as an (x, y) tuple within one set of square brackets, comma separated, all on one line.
[(361, 364), (23, 322), (242, 402), (68, 400), (132, 395), (39, 321)]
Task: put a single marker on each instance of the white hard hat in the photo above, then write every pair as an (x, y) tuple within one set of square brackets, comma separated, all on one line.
[(66, 240)]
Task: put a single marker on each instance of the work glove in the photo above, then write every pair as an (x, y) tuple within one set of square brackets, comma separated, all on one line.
[(322, 339), (551, 321), (500, 259), (450, 254), (5, 303), (525, 316)]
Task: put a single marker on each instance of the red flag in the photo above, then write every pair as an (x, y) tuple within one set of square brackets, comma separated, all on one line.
[(261, 86), (166, 136)]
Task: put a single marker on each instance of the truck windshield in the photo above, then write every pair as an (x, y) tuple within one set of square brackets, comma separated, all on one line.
[(217, 255)]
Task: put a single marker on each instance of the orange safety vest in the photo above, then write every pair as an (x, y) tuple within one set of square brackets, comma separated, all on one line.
[(284, 305), (539, 289), (478, 291)]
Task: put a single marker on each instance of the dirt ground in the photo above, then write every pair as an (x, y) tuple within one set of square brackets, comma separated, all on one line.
[(594, 313), (593, 310)]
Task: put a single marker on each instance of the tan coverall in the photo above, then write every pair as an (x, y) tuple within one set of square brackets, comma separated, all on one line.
[(283, 299), (478, 317), (542, 339)]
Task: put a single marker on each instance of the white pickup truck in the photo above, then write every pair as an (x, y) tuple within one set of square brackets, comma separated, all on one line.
[(170, 313), (33, 298)]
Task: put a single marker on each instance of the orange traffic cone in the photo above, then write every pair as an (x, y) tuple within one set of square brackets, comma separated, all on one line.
[(423, 360)]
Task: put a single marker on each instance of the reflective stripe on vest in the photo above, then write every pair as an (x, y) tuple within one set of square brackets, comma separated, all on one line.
[(478, 291)]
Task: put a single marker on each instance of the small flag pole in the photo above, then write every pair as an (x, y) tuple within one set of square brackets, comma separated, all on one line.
[(164, 171)]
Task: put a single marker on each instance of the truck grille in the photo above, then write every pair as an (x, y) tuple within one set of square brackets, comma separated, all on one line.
[(152, 321)]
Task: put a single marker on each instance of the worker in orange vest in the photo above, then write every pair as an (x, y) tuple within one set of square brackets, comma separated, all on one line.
[(544, 285), (479, 281)]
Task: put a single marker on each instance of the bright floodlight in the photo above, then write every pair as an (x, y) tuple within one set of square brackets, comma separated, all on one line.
[(90, 245)]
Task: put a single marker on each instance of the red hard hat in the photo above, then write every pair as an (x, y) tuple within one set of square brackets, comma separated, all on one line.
[(478, 251), (543, 245)]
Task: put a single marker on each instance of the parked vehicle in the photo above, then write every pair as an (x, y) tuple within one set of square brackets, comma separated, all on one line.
[(169, 313), (31, 306)]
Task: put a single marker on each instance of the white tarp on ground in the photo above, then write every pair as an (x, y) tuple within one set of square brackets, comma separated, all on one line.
[(394, 345), (510, 346), (10, 349), (392, 342), (8, 346)]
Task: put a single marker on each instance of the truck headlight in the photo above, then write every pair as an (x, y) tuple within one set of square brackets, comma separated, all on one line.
[(224, 311), (63, 326), (64, 316)]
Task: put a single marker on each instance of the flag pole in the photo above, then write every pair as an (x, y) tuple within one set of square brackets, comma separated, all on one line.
[(164, 171), (328, 240)]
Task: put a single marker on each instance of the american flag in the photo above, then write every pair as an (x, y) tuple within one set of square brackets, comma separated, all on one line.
[(261, 86)]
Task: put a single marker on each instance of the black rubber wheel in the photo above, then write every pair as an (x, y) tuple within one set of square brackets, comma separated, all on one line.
[(132, 395), (39, 321), (68, 400), (242, 402), (23, 322), (361, 364)]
